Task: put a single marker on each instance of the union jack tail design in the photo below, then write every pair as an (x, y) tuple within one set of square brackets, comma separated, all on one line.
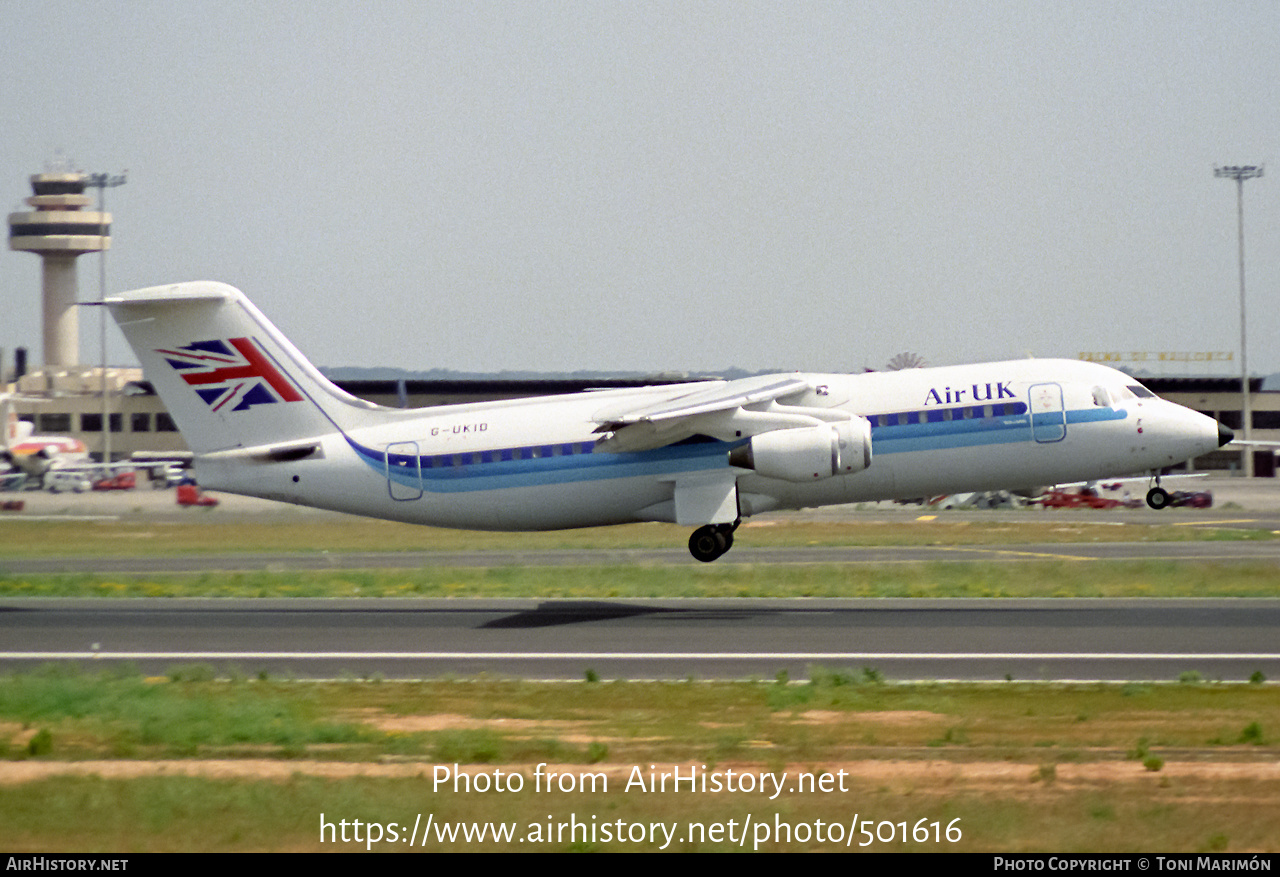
[(231, 375), (221, 368)]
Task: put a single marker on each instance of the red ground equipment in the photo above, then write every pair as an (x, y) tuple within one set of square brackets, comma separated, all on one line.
[(123, 481), (189, 494)]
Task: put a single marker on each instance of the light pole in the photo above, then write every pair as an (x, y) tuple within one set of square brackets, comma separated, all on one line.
[(1240, 174), (102, 182)]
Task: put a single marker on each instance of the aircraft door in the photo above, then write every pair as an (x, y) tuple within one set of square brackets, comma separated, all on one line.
[(1048, 414), (404, 471)]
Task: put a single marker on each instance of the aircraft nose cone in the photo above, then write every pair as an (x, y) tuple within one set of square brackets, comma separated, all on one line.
[(1224, 435)]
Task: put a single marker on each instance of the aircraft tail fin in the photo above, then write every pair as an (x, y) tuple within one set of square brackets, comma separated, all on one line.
[(228, 377)]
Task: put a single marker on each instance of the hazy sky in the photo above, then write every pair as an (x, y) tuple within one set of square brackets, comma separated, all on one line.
[(684, 185)]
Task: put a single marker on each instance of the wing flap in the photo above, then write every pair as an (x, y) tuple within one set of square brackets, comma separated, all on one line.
[(728, 412), (734, 394)]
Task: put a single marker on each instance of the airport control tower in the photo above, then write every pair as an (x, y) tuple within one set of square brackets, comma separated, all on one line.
[(59, 229)]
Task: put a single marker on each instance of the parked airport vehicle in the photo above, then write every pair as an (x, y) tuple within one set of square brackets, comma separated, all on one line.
[(191, 495), (1085, 498), (126, 480), (1192, 499), (262, 421), (170, 475), (67, 481)]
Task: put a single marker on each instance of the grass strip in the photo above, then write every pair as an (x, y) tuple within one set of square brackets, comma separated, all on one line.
[(127, 537), (1147, 578), (836, 711)]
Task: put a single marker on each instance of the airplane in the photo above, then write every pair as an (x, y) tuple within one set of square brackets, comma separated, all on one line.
[(33, 454), (262, 421)]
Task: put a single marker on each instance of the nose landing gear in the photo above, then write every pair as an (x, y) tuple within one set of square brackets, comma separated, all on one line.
[(709, 542), (1158, 497)]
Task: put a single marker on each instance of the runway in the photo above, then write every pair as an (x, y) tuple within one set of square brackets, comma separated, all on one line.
[(656, 639), (1158, 639)]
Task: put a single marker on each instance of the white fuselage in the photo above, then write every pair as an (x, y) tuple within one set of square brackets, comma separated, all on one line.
[(535, 464)]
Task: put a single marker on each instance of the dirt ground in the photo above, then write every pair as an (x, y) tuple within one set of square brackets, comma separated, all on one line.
[(940, 776)]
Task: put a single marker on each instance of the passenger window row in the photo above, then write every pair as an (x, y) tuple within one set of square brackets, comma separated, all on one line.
[(944, 415)]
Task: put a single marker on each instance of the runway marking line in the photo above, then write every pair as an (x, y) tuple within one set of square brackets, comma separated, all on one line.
[(662, 656), (1039, 554), (22, 518), (1215, 523)]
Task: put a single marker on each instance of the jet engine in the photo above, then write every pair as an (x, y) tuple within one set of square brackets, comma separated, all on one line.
[(808, 453)]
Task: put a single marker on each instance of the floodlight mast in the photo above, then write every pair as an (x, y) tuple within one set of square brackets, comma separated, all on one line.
[(1240, 173), (102, 182)]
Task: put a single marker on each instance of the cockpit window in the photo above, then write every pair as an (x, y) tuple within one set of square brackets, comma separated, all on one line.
[(1141, 392)]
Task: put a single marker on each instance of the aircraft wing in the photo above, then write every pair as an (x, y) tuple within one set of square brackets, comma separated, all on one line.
[(727, 411)]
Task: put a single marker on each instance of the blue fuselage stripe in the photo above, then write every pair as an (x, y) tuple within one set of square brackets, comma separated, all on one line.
[(500, 468), (497, 469)]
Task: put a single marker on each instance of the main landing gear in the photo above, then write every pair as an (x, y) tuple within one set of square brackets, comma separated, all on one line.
[(1158, 497), (709, 542)]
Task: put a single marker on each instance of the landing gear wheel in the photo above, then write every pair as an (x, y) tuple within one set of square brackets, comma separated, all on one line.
[(707, 543), (1158, 498)]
